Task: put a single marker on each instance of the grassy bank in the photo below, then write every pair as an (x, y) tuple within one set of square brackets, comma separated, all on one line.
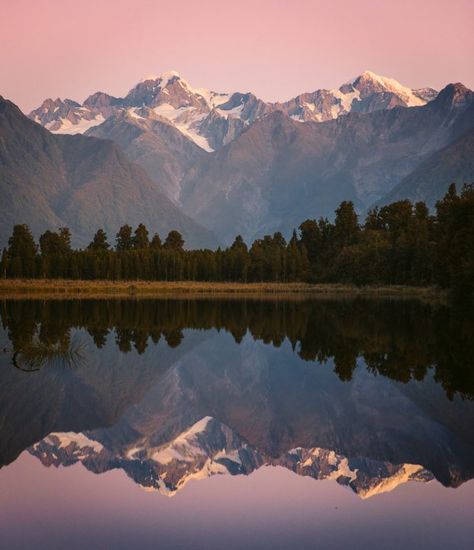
[(60, 288)]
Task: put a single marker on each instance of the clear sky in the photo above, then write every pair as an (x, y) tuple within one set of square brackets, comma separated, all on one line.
[(275, 48)]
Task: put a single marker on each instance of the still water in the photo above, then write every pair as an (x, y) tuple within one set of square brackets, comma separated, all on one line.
[(236, 424)]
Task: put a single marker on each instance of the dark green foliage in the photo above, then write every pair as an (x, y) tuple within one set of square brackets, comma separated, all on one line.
[(155, 243), (124, 240), (174, 241), (140, 238), (455, 235), (99, 242), (346, 226), (21, 253), (55, 248), (400, 243)]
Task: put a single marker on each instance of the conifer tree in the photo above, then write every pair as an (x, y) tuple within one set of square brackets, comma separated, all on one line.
[(346, 227), (174, 241), (99, 242), (124, 239), (155, 243), (22, 252), (140, 238)]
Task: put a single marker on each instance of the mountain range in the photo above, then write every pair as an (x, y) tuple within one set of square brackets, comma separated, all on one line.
[(280, 172), (213, 119), (234, 163), (50, 181)]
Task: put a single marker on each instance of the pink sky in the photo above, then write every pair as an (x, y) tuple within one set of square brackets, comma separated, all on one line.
[(275, 48)]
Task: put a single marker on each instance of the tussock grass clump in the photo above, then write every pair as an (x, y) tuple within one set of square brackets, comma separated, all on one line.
[(37, 355)]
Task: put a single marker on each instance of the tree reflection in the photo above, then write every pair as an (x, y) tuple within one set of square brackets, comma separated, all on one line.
[(400, 339)]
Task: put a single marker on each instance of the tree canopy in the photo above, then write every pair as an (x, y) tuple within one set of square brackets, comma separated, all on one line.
[(400, 243)]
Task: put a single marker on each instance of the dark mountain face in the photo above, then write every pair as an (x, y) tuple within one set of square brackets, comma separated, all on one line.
[(430, 181), (102, 100), (279, 172), (153, 143), (48, 181), (275, 165)]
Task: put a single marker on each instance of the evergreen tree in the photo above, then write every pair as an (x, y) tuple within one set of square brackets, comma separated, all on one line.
[(455, 233), (65, 236), (292, 258), (99, 242), (22, 252), (52, 243), (4, 264), (346, 227), (238, 261), (155, 243), (174, 241), (140, 238), (399, 243), (123, 239)]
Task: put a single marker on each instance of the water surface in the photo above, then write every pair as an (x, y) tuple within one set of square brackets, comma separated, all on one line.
[(236, 423)]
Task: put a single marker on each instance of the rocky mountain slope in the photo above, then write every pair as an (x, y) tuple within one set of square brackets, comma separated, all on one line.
[(154, 143), (430, 181), (49, 181), (367, 93), (238, 164), (213, 119), (280, 172)]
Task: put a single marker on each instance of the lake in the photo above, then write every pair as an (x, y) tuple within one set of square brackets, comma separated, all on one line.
[(236, 423)]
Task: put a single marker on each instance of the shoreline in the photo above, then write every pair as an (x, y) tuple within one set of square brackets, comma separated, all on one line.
[(63, 288)]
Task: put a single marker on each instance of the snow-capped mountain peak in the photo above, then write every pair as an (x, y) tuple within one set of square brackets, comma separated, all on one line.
[(365, 93), (213, 119), (66, 117), (164, 78), (370, 83)]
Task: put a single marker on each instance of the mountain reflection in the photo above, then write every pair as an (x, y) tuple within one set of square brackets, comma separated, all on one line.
[(402, 340), (370, 393), (210, 448)]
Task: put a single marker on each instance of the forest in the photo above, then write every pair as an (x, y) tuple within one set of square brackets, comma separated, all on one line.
[(401, 243)]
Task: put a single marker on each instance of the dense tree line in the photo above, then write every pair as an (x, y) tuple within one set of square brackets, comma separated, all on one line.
[(401, 243), (402, 340)]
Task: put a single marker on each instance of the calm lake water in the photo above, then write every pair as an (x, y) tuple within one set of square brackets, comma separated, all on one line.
[(236, 424)]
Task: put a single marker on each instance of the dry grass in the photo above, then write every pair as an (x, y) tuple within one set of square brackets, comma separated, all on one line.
[(61, 288)]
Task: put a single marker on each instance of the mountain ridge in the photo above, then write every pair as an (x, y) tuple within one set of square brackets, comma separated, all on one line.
[(279, 172), (213, 119), (242, 166), (49, 181)]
